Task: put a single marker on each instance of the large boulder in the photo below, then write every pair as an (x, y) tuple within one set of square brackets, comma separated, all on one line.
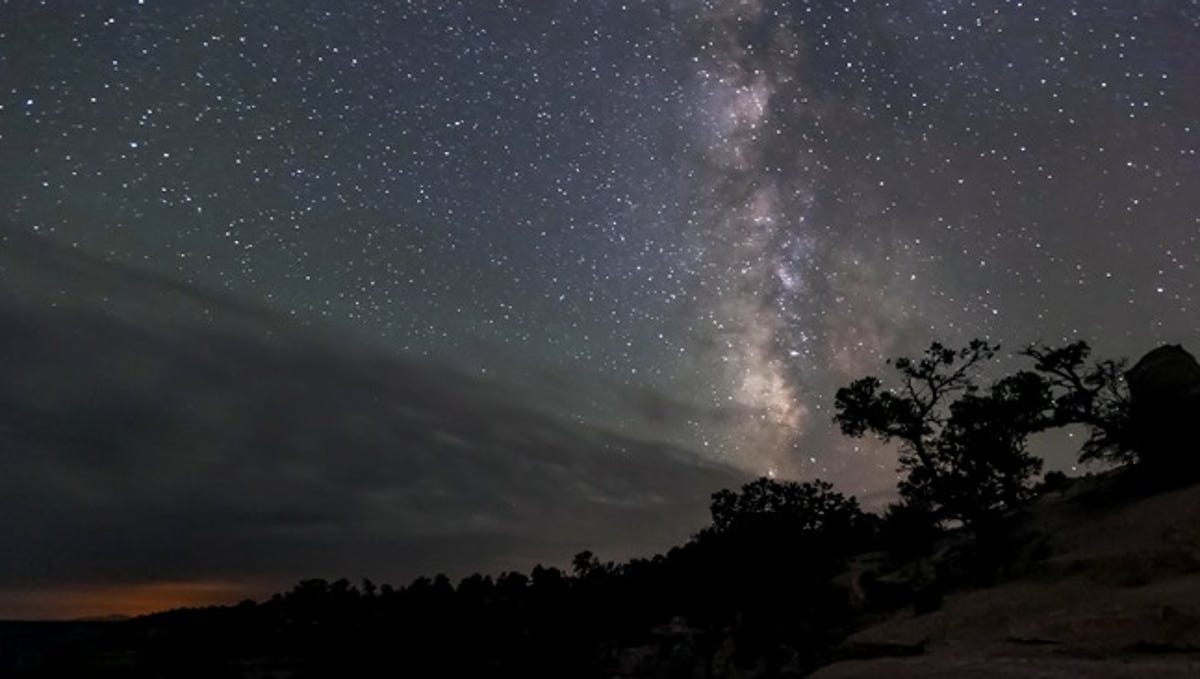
[(1164, 388)]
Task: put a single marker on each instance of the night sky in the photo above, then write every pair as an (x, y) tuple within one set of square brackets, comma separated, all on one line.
[(719, 211)]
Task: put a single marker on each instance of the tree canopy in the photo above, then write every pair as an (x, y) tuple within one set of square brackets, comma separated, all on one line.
[(809, 507), (963, 444)]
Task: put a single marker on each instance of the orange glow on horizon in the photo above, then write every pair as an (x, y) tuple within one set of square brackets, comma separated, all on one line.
[(89, 601)]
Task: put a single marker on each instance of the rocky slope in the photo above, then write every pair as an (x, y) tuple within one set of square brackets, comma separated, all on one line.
[(1118, 595)]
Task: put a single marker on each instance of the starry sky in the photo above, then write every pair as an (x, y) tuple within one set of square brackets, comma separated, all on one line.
[(725, 209)]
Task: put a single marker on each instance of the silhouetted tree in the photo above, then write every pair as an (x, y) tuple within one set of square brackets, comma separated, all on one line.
[(1095, 395), (548, 582), (962, 447), (585, 563), (511, 583), (982, 466), (811, 507), (777, 537), (915, 413)]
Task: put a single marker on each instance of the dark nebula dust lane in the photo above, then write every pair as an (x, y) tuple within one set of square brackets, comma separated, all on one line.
[(676, 226)]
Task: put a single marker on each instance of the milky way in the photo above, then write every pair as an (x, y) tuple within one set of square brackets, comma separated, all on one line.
[(738, 206), (756, 248)]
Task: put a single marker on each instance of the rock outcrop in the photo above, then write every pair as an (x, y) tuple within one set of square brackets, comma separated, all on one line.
[(1119, 596), (1164, 388)]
